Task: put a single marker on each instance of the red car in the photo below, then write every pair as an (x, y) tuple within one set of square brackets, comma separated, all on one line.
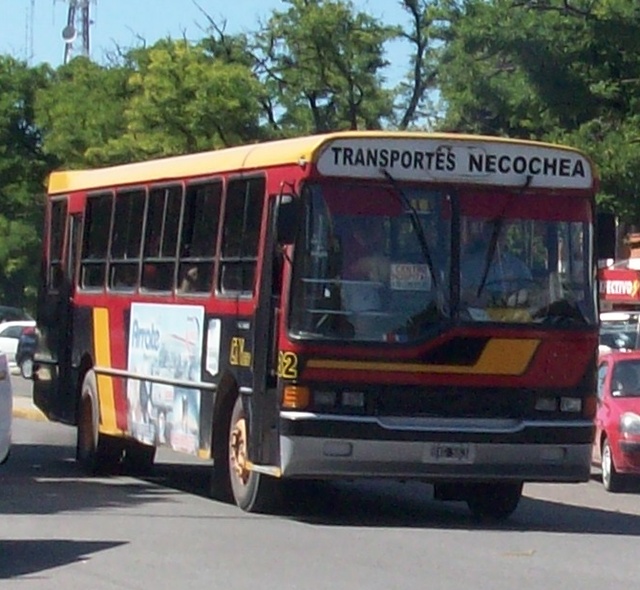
[(616, 447)]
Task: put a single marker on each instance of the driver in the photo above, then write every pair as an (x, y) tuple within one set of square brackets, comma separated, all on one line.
[(365, 265), (506, 277)]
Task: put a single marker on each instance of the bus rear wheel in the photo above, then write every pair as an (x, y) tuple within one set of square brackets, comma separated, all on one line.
[(95, 452), (494, 501), (253, 492)]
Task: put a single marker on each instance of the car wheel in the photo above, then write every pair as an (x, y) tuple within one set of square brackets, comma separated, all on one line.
[(611, 479)]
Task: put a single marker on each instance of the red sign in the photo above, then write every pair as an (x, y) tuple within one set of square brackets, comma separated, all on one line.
[(619, 285)]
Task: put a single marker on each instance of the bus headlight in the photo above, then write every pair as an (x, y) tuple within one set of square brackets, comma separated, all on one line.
[(324, 399), (571, 404), (630, 424), (353, 399)]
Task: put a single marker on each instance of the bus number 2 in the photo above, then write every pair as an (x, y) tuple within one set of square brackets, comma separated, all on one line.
[(287, 365)]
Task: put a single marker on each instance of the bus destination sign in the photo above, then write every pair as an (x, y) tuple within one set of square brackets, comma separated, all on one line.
[(473, 161)]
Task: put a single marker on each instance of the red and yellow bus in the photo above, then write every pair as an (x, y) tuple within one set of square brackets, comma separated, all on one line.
[(304, 309)]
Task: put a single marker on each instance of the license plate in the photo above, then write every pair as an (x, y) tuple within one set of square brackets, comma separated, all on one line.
[(449, 453)]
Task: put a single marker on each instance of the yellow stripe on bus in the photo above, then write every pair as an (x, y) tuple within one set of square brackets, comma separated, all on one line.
[(501, 356), (101, 346)]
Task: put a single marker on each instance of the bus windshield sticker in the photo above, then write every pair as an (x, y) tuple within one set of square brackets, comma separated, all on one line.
[(410, 277), (165, 342)]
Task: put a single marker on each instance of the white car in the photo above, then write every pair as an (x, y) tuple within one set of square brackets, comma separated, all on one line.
[(6, 409), (10, 333)]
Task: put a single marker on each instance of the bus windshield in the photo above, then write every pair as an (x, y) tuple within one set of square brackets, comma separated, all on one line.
[(373, 261), (525, 258)]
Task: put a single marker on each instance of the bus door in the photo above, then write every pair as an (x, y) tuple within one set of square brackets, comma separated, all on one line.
[(263, 443), (54, 390)]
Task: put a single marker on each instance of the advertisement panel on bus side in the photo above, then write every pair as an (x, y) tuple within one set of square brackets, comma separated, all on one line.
[(165, 341)]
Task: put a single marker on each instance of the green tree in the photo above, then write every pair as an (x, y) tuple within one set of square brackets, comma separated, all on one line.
[(559, 70), (80, 111), (184, 100), (324, 62), (23, 169)]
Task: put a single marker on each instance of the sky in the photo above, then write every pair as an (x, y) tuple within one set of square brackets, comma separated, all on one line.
[(31, 30)]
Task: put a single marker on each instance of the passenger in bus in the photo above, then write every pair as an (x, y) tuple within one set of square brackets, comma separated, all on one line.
[(189, 281), (505, 281), (364, 253), (365, 270)]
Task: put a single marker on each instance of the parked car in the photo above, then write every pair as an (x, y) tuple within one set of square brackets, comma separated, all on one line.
[(26, 350), (6, 409), (619, 330), (13, 314), (10, 333), (616, 447)]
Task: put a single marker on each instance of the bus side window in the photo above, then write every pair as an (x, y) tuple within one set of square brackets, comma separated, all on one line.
[(161, 238), (57, 227), (241, 235), (198, 237), (126, 240), (95, 240)]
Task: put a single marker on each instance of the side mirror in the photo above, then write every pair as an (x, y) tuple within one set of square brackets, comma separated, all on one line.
[(606, 235), (288, 211)]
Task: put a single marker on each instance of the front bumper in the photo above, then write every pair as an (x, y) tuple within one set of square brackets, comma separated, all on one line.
[(434, 449)]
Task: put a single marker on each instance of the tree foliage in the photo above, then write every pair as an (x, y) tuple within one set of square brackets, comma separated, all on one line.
[(23, 167), (559, 70)]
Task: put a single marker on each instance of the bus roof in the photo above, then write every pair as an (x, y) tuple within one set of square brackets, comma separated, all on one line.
[(302, 150)]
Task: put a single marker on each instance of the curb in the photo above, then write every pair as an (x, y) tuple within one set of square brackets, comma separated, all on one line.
[(29, 414)]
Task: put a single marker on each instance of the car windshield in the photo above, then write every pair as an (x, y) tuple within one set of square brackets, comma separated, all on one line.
[(625, 380)]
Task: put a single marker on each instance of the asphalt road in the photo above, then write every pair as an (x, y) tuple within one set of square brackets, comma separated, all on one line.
[(63, 530)]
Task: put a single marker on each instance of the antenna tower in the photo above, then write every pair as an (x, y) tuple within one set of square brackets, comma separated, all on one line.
[(77, 28), (29, 30)]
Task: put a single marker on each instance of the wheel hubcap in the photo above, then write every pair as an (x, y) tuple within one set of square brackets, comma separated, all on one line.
[(238, 450)]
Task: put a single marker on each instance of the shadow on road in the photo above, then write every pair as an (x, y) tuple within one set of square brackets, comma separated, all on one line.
[(25, 557), (409, 505), (44, 479)]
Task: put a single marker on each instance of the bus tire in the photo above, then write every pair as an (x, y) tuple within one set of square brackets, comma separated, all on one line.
[(251, 491), (494, 501), (96, 453)]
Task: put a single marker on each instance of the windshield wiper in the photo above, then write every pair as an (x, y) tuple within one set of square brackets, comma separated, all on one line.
[(498, 222), (415, 223)]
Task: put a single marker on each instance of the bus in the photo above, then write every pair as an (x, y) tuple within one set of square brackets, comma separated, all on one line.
[(209, 303)]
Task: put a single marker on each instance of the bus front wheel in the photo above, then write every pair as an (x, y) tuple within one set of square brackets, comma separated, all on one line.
[(96, 453), (253, 492), (494, 501)]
